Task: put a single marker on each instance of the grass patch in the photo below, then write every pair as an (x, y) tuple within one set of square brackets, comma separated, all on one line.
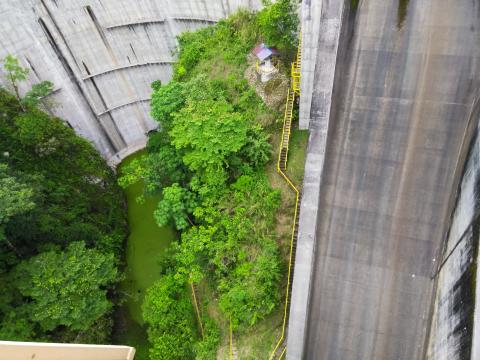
[(296, 155)]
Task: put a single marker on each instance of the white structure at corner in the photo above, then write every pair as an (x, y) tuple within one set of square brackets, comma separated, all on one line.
[(12, 350)]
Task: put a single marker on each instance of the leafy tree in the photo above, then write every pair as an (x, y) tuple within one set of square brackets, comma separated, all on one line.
[(67, 288), (176, 205), (169, 313), (206, 349), (157, 84), (159, 168), (76, 195), (209, 131), (234, 245), (166, 100), (250, 293), (15, 197), (279, 23), (36, 93), (17, 73), (254, 154), (16, 326), (55, 190)]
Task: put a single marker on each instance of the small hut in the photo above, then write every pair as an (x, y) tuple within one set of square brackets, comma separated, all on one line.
[(267, 61)]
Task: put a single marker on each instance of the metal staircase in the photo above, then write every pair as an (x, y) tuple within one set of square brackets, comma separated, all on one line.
[(280, 348), (287, 129)]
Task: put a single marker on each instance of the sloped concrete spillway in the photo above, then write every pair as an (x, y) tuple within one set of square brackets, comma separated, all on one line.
[(407, 76), (102, 56)]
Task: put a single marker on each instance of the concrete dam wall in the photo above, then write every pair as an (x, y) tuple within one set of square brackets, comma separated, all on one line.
[(455, 312), (102, 56), (406, 79)]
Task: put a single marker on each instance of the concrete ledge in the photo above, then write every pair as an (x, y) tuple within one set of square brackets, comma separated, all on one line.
[(131, 149), (123, 105), (318, 75), (135, 23), (196, 19), (306, 243), (129, 66)]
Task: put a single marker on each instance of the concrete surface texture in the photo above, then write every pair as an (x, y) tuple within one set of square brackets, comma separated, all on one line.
[(402, 99), (102, 56), (12, 350), (321, 24), (452, 329), (310, 15)]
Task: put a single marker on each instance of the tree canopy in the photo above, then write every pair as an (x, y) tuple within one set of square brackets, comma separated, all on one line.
[(169, 313), (68, 287), (62, 224), (279, 23)]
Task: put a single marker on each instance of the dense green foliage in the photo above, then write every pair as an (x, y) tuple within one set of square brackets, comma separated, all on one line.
[(208, 50), (169, 313), (62, 226), (213, 185), (279, 23), (234, 247), (66, 288)]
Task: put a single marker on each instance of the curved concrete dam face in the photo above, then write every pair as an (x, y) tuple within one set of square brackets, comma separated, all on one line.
[(407, 76), (102, 56)]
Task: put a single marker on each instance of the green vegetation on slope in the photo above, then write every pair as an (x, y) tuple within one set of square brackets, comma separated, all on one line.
[(213, 148), (62, 225)]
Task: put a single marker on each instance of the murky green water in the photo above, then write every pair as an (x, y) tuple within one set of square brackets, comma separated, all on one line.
[(145, 245)]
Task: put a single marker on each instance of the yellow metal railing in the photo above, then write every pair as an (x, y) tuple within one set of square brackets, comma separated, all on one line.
[(296, 68), (197, 308), (231, 341), (281, 168)]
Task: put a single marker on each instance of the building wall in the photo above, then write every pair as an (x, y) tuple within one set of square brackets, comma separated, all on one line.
[(102, 56)]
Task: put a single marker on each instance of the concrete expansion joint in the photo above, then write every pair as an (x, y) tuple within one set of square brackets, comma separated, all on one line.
[(135, 23), (191, 18), (129, 66), (123, 105)]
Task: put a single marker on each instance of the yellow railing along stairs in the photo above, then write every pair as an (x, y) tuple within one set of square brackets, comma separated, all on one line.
[(280, 349)]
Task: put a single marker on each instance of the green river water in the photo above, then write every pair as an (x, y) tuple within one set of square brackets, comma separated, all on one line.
[(146, 243)]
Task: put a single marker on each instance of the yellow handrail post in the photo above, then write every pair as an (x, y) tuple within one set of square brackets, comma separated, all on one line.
[(231, 341), (197, 309)]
